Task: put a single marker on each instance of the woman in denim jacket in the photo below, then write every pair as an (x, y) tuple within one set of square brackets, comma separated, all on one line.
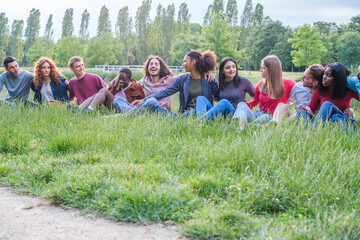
[(49, 84), (191, 85)]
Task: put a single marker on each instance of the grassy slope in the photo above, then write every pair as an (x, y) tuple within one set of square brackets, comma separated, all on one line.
[(281, 181)]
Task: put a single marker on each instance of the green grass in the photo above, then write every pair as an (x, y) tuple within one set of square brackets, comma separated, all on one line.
[(285, 181)]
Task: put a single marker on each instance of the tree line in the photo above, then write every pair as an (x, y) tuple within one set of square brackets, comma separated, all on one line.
[(247, 37)]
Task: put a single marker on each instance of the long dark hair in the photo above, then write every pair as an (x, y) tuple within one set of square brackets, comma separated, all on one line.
[(339, 73), (222, 80), (205, 62), (164, 69)]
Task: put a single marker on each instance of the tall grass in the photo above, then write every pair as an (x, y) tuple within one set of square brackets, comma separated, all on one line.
[(285, 181)]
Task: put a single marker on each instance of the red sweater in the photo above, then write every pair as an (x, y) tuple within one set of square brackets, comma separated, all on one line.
[(268, 104), (342, 103)]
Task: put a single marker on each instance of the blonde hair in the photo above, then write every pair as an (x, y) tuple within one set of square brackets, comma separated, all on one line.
[(73, 60), (273, 85)]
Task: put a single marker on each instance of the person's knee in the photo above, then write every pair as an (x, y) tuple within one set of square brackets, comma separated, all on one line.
[(241, 105)]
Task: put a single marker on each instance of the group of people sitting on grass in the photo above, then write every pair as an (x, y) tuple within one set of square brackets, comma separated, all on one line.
[(326, 91)]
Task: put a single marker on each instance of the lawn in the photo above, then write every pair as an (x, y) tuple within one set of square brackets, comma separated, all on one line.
[(285, 181)]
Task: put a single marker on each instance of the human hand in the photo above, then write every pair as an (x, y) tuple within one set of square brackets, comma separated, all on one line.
[(136, 103), (350, 113), (209, 77), (115, 85), (300, 107)]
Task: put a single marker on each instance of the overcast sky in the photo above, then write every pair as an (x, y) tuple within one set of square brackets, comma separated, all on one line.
[(292, 13)]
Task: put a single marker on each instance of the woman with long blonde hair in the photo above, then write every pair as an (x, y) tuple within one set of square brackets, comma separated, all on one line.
[(269, 92), (50, 84)]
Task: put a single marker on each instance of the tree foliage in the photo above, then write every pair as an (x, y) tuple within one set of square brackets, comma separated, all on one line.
[(67, 24), (16, 43), (66, 48), (103, 49), (49, 32), (32, 28), (183, 19), (308, 46), (262, 40), (350, 49), (220, 38), (4, 35), (232, 12), (142, 22), (123, 30), (104, 24), (246, 17), (43, 47), (84, 26), (257, 16)]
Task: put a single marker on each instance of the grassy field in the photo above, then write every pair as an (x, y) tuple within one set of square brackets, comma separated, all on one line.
[(285, 181)]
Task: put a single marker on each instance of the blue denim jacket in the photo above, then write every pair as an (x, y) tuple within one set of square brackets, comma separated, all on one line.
[(59, 91), (354, 84), (182, 85)]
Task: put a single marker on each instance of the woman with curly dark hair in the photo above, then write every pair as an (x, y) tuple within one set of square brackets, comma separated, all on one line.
[(192, 84), (49, 85)]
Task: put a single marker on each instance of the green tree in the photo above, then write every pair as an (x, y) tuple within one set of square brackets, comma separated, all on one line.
[(4, 35), (282, 49), (325, 27), (48, 28), (258, 15), (220, 38), (67, 24), (308, 46), (184, 43), (104, 24), (232, 12), (142, 21), (218, 7), (246, 17), (263, 40), (156, 38), (349, 49), (207, 17), (103, 49), (42, 47), (183, 18), (123, 29), (331, 44), (66, 48), (84, 26), (167, 28), (16, 43), (354, 24), (32, 28)]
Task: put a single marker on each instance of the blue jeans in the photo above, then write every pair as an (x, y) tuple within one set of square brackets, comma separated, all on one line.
[(244, 112), (206, 111), (123, 105), (150, 105), (327, 112)]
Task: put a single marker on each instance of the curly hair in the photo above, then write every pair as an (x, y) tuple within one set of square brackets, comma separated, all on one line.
[(205, 62), (54, 72), (164, 69)]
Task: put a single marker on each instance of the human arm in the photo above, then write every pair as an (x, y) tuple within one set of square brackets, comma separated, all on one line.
[(255, 100), (315, 102)]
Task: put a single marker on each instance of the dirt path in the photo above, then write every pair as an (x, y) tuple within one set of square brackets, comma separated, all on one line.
[(26, 217)]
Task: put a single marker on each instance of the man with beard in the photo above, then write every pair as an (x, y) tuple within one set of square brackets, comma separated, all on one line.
[(17, 82)]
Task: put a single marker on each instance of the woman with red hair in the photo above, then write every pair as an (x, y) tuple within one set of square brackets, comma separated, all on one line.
[(49, 84)]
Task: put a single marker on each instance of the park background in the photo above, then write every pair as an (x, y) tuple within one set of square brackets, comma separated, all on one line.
[(272, 181)]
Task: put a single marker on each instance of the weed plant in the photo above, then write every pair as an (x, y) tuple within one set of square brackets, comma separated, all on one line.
[(285, 181)]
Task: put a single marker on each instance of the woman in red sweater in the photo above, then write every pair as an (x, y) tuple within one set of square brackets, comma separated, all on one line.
[(269, 92), (332, 99)]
